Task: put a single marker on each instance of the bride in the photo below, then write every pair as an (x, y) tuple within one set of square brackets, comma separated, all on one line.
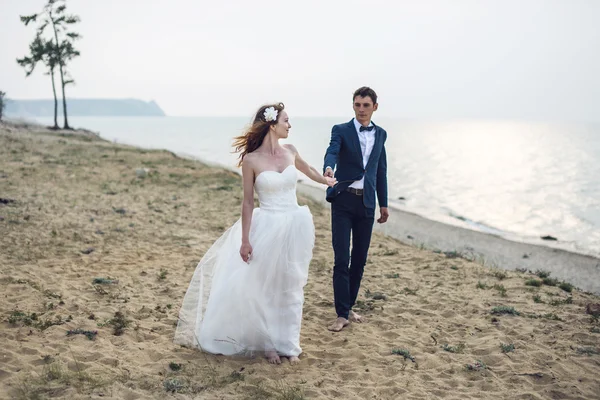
[(246, 294)]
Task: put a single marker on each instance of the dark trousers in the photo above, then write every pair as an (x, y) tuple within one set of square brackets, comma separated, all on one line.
[(349, 217)]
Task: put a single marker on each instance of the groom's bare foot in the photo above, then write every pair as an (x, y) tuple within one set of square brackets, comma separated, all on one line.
[(354, 317), (339, 324), (273, 357)]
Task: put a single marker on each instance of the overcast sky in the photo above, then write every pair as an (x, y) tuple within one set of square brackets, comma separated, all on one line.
[(529, 59)]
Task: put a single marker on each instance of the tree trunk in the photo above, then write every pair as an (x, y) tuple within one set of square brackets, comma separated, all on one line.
[(62, 81), (55, 100), (62, 75)]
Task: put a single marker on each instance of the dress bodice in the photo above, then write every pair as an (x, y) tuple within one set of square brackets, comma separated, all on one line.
[(277, 190)]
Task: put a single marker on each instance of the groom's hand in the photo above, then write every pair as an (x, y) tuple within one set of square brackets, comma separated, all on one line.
[(384, 215), (328, 172)]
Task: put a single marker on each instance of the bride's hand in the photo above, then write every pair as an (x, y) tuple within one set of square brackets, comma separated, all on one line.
[(330, 181), (246, 251)]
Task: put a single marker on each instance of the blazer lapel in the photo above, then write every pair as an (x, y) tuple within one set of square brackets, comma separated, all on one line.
[(354, 139), (375, 145)]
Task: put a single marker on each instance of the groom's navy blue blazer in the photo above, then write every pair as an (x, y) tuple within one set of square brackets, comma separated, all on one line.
[(344, 155)]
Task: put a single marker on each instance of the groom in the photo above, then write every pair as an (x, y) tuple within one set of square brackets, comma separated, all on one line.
[(357, 154)]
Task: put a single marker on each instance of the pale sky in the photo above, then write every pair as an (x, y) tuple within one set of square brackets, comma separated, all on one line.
[(427, 59)]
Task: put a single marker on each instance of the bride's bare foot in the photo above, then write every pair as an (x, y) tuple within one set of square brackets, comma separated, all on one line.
[(354, 317), (339, 324), (293, 359), (273, 357)]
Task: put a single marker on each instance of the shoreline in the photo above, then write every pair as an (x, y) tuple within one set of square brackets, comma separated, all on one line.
[(490, 250), (458, 222)]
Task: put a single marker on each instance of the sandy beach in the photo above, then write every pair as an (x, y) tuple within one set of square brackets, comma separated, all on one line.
[(98, 242)]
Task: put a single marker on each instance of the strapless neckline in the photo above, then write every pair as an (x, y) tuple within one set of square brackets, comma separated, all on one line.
[(275, 172)]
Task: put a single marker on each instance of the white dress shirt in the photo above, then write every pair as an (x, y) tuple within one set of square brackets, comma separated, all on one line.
[(367, 140)]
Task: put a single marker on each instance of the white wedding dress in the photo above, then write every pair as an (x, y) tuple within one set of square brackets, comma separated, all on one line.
[(235, 308)]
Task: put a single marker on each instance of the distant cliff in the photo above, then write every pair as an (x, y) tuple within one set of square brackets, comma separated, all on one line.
[(84, 108)]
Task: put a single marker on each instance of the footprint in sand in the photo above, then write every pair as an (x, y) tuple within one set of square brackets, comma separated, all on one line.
[(390, 335), (28, 351), (324, 355), (4, 375), (111, 362), (449, 314)]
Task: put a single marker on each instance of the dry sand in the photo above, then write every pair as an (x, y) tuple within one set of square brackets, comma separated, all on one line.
[(81, 212)]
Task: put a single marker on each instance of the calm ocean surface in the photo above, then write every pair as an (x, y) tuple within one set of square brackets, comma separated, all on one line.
[(519, 180)]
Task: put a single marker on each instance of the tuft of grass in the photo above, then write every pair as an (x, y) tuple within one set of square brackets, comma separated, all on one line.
[(365, 305), (481, 285), (550, 281), (163, 274), (537, 298), (500, 275), (235, 376), (392, 276), (175, 367), (174, 385), (550, 316), (533, 282), (542, 274), (404, 353), (17, 316), (499, 310), (454, 267), (409, 291), (560, 302), (567, 287), (452, 254), (507, 348), (91, 335), (105, 281), (33, 320), (45, 324), (588, 351), (453, 349), (119, 323), (501, 289)]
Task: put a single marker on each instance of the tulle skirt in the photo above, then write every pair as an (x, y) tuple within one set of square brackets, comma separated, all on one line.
[(235, 308)]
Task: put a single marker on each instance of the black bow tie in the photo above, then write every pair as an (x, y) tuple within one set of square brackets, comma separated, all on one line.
[(366, 128)]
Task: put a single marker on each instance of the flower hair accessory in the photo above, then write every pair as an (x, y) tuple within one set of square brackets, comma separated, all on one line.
[(270, 114)]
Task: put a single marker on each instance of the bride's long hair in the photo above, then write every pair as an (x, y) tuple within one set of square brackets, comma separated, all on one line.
[(254, 136)]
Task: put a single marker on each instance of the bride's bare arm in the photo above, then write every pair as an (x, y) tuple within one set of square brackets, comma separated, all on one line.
[(247, 208), (309, 171)]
